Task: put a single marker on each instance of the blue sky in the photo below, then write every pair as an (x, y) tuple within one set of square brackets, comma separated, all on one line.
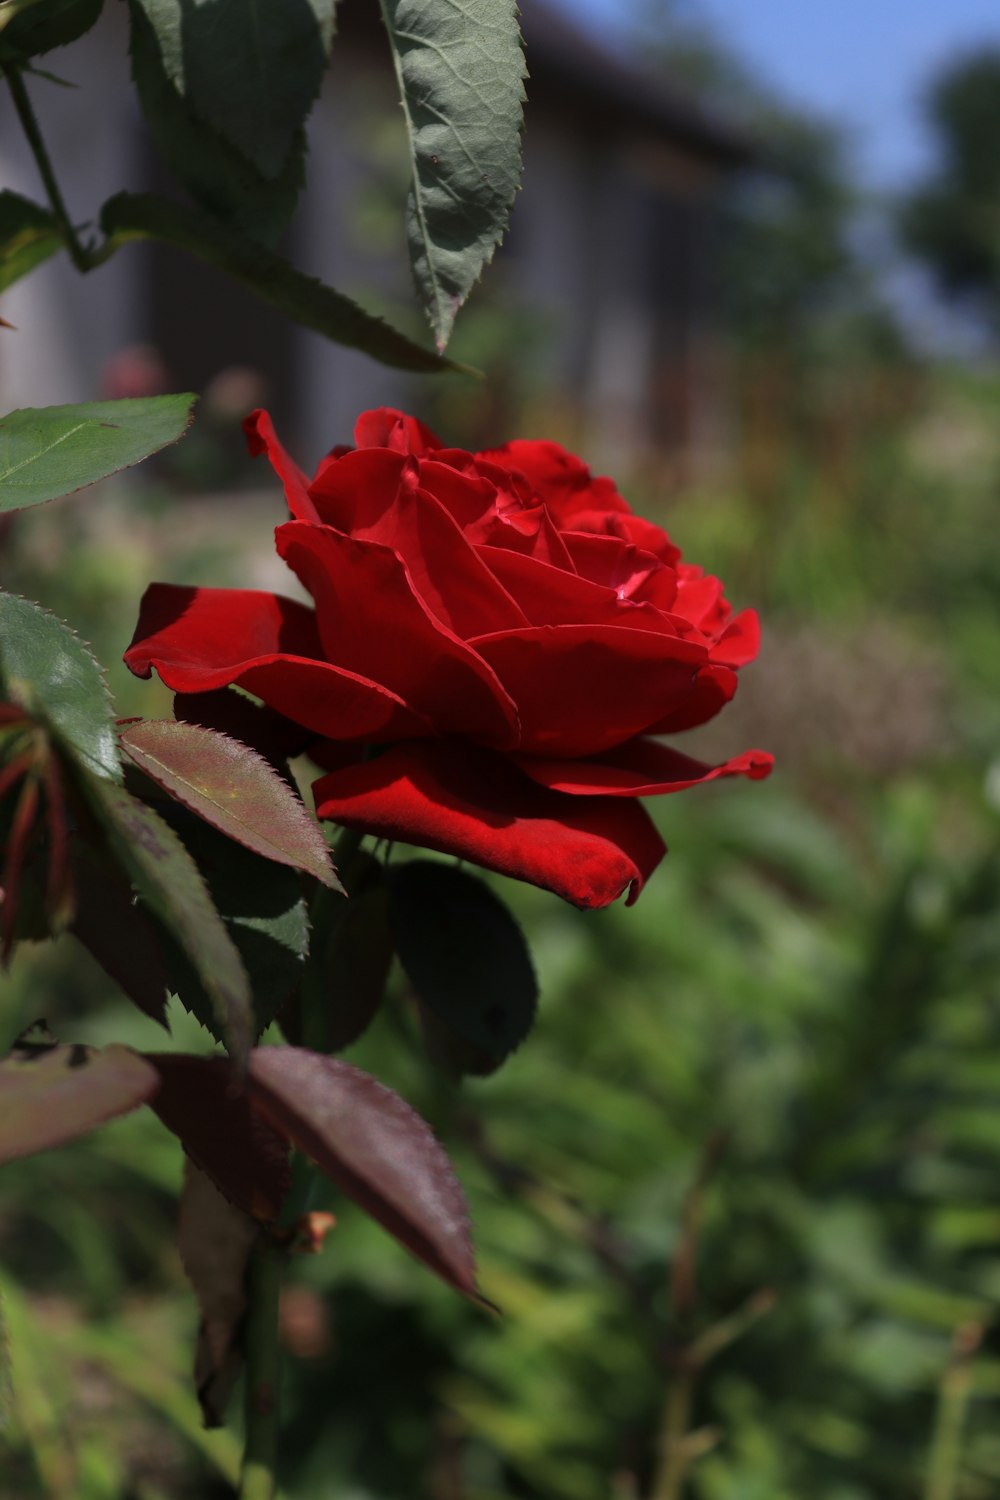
[(863, 63)]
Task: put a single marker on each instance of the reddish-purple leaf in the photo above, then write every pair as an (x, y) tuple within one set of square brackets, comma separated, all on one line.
[(234, 789), (51, 1094), (215, 1240), (376, 1148), (222, 1134)]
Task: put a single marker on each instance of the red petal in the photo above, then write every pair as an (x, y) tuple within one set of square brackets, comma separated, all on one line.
[(580, 689), (200, 639), (469, 802), (262, 438), (739, 642), (386, 428), (373, 623), (551, 596), (642, 768), (372, 495), (711, 690)]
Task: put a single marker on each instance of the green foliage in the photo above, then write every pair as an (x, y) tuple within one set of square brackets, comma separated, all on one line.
[(249, 71), (953, 220), (29, 235), (49, 671), (460, 73), (47, 452), (138, 216), (39, 26)]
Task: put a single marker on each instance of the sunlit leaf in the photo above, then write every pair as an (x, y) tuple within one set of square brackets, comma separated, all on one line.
[(232, 788), (50, 672), (50, 451)]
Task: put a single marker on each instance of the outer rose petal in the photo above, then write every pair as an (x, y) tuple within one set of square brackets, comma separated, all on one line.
[(739, 642), (580, 689), (460, 800), (200, 639), (262, 438), (551, 596), (372, 622), (642, 768), (711, 690)]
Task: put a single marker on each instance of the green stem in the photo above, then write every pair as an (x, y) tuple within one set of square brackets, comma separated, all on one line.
[(675, 1459), (945, 1461), (80, 255), (258, 1478)]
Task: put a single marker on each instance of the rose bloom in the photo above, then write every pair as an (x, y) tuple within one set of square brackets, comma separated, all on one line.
[(496, 647)]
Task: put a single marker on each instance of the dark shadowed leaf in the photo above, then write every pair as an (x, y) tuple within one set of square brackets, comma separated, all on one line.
[(467, 960), (215, 1240), (222, 1134), (216, 175), (140, 216), (235, 790), (28, 236), (359, 957), (264, 909), (50, 1094), (251, 71), (50, 672), (376, 1149), (122, 936), (49, 24), (167, 878), (50, 451), (461, 78)]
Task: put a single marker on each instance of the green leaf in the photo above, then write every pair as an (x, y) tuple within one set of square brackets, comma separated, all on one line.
[(232, 787), (249, 69), (49, 451), (29, 235), (216, 175), (140, 216), (50, 1094), (51, 673), (358, 957), (42, 26), (467, 960), (167, 878), (461, 77)]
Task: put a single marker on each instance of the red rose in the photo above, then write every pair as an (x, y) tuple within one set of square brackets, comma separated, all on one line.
[(495, 643)]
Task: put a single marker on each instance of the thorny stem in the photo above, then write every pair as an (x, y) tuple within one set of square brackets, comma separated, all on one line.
[(258, 1478), (82, 256)]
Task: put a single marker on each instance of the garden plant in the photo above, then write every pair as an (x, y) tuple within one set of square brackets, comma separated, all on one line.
[(496, 658)]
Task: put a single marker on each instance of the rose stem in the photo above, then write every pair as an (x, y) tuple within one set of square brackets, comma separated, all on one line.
[(80, 255), (258, 1478)]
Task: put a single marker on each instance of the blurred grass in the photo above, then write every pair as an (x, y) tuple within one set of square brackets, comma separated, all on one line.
[(812, 977)]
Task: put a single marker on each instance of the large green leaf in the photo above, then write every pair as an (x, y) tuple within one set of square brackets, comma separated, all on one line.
[(217, 176), (461, 77), (141, 216), (52, 674), (28, 236), (249, 69), (467, 960), (50, 451), (165, 875)]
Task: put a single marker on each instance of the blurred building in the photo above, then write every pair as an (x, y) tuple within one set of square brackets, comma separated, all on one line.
[(609, 270)]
